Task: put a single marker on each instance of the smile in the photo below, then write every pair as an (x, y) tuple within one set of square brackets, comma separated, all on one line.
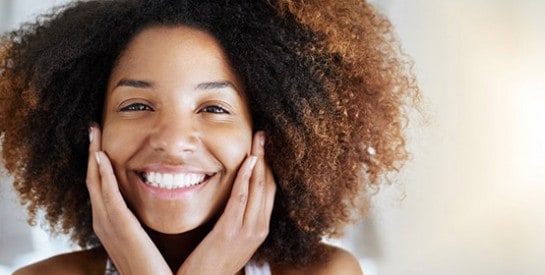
[(173, 181)]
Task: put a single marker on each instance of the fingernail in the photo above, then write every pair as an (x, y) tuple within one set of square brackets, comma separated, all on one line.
[(90, 134), (97, 157), (262, 138), (253, 160)]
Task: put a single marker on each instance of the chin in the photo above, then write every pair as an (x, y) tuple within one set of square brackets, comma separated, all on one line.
[(175, 228), (177, 223)]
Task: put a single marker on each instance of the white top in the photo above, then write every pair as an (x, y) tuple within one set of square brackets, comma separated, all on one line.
[(251, 268)]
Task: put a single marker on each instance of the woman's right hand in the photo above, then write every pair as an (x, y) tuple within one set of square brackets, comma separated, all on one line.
[(127, 244)]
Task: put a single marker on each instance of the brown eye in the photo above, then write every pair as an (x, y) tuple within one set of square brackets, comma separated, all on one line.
[(214, 109), (136, 107)]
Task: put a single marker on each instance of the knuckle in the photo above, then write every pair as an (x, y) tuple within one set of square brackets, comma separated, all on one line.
[(98, 229), (107, 200), (262, 235), (256, 235), (115, 216), (242, 198), (261, 232)]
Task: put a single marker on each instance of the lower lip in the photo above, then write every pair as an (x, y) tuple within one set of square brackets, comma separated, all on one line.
[(172, 194)]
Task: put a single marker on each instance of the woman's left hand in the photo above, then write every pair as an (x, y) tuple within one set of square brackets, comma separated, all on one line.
[(244, 224)]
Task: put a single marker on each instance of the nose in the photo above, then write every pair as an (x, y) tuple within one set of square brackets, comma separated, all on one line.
[(175, 134)]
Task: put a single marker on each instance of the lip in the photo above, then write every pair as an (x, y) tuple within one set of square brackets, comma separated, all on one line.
[(172, 194)]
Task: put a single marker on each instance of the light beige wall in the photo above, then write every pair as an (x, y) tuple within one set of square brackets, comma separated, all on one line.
[(14, 12), (21, 244), (475, 189)]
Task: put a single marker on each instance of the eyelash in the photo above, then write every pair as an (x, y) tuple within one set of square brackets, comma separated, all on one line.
[(135, 107), (215, 109)]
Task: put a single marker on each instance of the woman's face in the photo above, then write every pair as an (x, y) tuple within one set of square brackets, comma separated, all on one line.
[(176, 127)]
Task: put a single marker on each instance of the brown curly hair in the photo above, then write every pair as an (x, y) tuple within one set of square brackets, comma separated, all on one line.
[(326, 81)]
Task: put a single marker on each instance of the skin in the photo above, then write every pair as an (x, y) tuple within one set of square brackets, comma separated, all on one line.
[(188, 118), (175, 105)]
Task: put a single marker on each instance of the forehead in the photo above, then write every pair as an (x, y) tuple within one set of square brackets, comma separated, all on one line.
[(175, 37), (165, 53)]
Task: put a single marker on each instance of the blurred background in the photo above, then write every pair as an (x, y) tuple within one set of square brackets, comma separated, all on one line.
[(471, 199)]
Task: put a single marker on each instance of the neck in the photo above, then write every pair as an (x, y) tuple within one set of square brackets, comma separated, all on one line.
[(175, 248)]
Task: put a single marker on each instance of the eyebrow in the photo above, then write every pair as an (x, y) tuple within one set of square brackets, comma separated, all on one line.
[(216, 85), (202, 86), (134, 83)]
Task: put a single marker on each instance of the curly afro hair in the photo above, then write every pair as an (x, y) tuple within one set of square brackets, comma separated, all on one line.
[(325, 80)]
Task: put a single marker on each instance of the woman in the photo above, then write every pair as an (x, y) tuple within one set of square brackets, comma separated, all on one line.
[(202, 137)]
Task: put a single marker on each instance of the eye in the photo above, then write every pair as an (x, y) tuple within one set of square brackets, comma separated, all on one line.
[(136, 107), (215, 109)]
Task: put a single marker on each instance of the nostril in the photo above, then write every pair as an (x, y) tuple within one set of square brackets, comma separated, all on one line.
[(174, 144), (171, 136), (158, 149)]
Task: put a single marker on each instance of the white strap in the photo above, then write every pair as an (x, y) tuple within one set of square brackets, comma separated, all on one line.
[(110, 268)]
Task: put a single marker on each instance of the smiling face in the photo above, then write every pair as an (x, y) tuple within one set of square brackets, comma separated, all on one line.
[(176, 127)]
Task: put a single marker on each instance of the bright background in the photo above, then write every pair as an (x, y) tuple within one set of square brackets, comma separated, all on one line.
[(471, 199)]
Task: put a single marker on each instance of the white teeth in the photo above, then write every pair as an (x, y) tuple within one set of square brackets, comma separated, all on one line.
[(173, 181), (168, 180), (179, 178)]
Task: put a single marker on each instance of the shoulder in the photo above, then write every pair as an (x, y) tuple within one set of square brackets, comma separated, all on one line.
[(340, 261), (80, 262)]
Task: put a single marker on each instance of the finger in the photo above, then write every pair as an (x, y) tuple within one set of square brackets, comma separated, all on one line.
[(239, 194), (256, 193), (93, 175), (258, 144), (270, 192), (111, 196)]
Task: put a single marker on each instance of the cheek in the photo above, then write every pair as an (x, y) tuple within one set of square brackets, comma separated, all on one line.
[(233, 148), (116, 142)]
